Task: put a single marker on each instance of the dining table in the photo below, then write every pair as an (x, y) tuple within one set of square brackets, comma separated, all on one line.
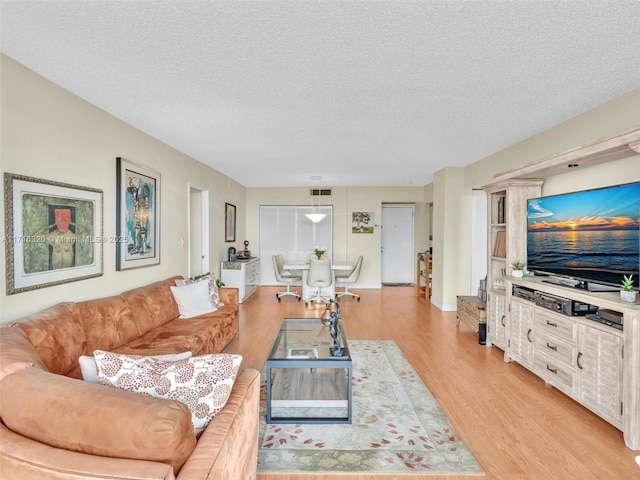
[(307, 291)]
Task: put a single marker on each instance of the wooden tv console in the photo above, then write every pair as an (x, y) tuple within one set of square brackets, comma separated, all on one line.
[(595, 364)]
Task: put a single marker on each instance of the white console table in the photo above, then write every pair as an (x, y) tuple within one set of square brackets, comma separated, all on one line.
[(243, 275)]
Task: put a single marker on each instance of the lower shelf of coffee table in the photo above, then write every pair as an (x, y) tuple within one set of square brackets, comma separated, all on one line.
[(309, 387)]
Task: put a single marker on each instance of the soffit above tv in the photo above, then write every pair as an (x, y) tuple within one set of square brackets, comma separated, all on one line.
[(617, 147)]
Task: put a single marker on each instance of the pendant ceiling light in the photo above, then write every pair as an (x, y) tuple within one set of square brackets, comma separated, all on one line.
[(315, 216)]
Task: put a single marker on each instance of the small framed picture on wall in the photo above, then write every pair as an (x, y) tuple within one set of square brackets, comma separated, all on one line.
[(229, 222)]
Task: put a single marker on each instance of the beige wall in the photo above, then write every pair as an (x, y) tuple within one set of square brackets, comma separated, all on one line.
[(346, 246), (611, 118), (451, 223), (48, 133)]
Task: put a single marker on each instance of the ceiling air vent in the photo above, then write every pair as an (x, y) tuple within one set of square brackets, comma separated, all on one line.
[(320, 192)]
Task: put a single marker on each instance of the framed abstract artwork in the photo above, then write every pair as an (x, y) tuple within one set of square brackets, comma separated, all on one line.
[(53, 233), (137, 215), (229, 222)]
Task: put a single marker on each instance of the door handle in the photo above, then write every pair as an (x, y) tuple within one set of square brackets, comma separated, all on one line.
[(578, 361)]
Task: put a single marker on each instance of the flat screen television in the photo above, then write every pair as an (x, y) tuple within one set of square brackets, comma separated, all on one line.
[(590, 236)]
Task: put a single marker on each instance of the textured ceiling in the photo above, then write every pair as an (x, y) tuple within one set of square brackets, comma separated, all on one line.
[(361, 93)]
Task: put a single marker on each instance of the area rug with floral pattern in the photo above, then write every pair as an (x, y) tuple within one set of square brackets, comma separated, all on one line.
[(398, 427)]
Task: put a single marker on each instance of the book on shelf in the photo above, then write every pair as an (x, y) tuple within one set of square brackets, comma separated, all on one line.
[(501, 201), (500, 246)]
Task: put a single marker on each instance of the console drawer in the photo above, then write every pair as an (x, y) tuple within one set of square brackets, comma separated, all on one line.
[(555, 372), (559, 325), (555, 347)]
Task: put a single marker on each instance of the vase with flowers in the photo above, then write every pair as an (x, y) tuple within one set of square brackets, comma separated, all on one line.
[(319, 251)]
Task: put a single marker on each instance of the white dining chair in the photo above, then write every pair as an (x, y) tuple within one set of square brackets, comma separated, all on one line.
[(285, 276), (319, 276), (350, 277)]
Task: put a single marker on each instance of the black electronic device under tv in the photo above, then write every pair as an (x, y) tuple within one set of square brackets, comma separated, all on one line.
[(590, 236)]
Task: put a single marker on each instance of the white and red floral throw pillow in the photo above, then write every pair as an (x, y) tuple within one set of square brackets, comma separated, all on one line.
[(89, 369), (202, 383)]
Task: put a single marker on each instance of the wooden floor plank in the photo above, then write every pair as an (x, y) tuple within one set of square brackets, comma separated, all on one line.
[(515, 425)]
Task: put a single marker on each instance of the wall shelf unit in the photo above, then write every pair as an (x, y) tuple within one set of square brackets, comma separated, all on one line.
[(423, 274), (507, 243), (596, 365)]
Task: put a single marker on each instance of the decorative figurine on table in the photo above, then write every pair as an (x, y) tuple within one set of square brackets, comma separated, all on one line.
[(333, 321)]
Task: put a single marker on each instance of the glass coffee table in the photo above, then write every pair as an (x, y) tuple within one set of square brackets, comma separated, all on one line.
[(308, 381)]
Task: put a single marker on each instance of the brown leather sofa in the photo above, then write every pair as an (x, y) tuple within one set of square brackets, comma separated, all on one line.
[(57, 426)]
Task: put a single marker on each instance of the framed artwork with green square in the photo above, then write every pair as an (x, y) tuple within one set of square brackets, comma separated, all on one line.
[(53, 233)]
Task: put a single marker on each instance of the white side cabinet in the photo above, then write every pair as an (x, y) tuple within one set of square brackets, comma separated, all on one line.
[(243, 275)]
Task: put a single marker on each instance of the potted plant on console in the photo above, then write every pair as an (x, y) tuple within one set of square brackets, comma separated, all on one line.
[(518, 269), (627, 293)]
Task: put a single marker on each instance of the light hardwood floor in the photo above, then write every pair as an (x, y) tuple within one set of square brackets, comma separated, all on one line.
[(515, 425)]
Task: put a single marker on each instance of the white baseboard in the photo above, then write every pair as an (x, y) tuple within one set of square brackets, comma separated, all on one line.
[(445, 307)]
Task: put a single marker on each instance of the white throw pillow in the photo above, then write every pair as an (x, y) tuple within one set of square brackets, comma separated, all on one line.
[(193, 299), (202, 383), (213, 288), (89, 369)]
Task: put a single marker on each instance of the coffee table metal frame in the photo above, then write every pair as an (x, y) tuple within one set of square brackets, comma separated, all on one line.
[(277, 360)]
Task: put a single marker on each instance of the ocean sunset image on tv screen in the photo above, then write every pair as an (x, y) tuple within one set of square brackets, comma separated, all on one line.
[(591, 235)]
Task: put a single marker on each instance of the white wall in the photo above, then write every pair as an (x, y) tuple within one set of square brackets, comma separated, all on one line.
[(46, 132), (478, 235)]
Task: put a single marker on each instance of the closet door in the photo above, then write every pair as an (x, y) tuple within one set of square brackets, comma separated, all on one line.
[(284, 229)]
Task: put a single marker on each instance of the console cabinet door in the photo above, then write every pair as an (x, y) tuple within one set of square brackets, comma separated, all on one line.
[(521, 331), (252, 277), (496, 320), (600, 371)]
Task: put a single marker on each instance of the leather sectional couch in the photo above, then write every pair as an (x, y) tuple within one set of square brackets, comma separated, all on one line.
[(57, 426)]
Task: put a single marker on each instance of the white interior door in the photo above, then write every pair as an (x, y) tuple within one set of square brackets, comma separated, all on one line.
[(398, 256), (198, 242)]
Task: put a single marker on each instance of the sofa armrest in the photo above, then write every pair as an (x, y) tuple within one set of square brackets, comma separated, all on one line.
[(228, 448), (229, 295), (94, 419), (22, 458), (16, 352)]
